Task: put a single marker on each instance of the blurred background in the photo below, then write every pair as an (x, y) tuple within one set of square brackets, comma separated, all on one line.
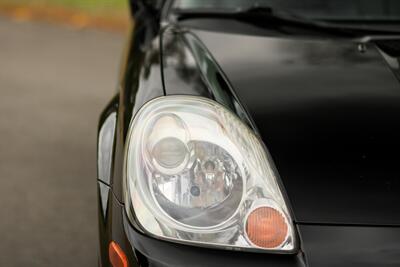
[(58, 68)]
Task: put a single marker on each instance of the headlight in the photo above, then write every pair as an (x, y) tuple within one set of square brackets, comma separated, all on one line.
[(195, 173)]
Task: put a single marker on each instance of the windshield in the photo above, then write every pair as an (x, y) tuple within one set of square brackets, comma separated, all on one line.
[(333, 10)]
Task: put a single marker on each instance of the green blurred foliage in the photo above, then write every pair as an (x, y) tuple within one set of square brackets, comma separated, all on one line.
[(92, 6)]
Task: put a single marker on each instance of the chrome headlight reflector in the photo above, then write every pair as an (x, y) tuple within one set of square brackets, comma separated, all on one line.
[(195, 173)]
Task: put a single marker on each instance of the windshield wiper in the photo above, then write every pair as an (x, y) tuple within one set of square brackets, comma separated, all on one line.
[(283, 22)]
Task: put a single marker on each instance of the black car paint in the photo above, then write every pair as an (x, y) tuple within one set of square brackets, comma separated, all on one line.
[(330, 233), (328, 114), (140, 81)]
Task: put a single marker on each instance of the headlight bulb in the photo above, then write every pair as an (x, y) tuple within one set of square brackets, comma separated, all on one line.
[(170, 153), (167, 144)]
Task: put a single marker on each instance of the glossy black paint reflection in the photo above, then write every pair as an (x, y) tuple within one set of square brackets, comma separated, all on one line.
[(189, 69), (351, 246), (103, 201), (140, 83), (329, 116), (111, 108), (390, 50)]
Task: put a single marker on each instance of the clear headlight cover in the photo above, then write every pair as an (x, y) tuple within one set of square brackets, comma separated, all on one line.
[(195, 173)]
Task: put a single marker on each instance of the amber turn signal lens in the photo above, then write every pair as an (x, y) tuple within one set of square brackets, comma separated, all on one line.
[(266, 227), (117, 256)]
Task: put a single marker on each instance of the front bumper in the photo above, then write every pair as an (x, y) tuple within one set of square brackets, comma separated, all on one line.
[(320, 245), (162, 253)]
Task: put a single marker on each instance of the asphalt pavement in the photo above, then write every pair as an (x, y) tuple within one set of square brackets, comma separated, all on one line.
[(54, 82)]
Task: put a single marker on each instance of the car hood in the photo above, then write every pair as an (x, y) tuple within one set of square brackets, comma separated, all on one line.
[(329, 113)]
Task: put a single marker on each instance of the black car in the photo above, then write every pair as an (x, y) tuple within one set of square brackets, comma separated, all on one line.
[(254, 133)]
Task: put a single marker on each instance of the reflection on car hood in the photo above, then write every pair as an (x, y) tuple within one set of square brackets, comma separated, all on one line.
[(330, 116)]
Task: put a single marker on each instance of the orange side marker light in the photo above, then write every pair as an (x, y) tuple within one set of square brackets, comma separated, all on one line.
[(117, 256), (266, 227)]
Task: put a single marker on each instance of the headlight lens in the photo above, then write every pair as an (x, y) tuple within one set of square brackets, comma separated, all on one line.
[(195, 173)]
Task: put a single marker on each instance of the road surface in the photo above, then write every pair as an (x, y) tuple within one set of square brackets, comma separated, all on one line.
[(54, 81)]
